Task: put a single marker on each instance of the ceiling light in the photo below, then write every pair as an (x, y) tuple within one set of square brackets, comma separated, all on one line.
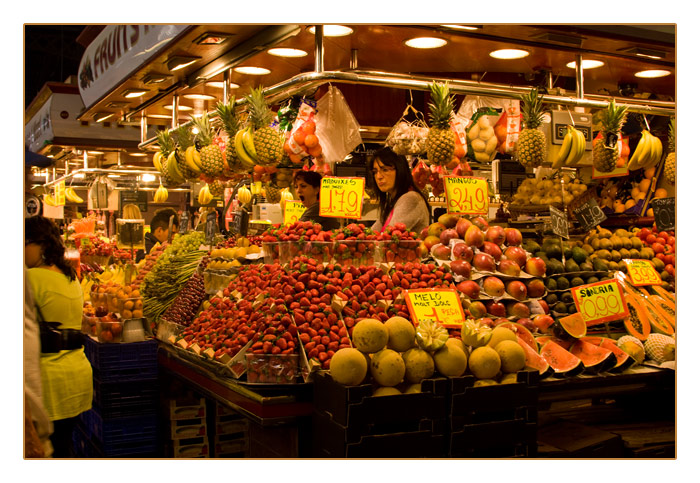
[(509, 54), (178, 62), (651, 74), (117, 104), (279, 52), (586, 64), (244, 69), (101, 116), (150, 79), (220, 84), (169, 107), (148, 178), (137, 155), (646, 53), (78, 175), (462, 27), (212, 38), (333, 30), (114, 176), (95, 153), (131, 93), (200, 97), (425, 42)]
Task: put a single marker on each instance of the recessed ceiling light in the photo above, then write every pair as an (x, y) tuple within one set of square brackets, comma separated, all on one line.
[(425, 42), (178, 62), (131, 93), (200, 97), (650, 74), (248, 69), (333, 30), (169, 107), (509, 54), (220, 84), (137, 155), (586, 64), (153, 78), (212, 38), (280, 52)]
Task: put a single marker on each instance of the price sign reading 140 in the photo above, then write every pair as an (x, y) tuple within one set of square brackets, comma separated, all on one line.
[(642, 272), (341, 197), (600, 302), (466, 195), (293, 210), (439, 305)]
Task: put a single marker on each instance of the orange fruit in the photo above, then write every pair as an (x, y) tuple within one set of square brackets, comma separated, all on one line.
[(316, 150), (311, 140), (287, 147), (460, 152), (295, 158), (299, 136), (309, 127), (660, 193)]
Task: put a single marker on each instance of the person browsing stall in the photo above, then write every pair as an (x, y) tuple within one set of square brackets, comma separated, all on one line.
[(307, 184), (400, 201), (159, 228)]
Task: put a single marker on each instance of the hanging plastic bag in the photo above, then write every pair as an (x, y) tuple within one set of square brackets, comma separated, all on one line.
[(337, 129), (488, 117), (407, 138)]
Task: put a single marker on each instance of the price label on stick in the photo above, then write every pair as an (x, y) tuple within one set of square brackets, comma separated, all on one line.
[(341, 197), (467, 195), (560, 223), (438, 305), (600, 302), (293, 210), (589, 214), (642, 272), (184, 220), (664, 213)]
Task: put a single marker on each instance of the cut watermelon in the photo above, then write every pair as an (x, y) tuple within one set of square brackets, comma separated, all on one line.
[(522, 332), (564, 363), (595, 358), (624, 360), (535, 361)]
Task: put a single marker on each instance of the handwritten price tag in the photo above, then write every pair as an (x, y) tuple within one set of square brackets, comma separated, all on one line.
[(59, 193), (560, 223), (467, 195), (293, 210), (642, 272), (341, 197), (439, 305), (600, 302)]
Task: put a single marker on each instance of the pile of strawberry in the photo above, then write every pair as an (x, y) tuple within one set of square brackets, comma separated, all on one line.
[(354, 245), (396, 244), (664, 245)]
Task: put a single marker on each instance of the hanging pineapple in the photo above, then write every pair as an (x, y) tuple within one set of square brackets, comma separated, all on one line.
[(441, 140), (670, 164), (267, 140), (216, 187), (604, 156), (531, 147), (229, 120), (169, 174), (212, 158)]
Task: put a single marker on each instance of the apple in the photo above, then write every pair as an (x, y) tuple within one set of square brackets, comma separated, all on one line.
[(542, 322), (496, 234), (494, 286), (436, 228), (441, 252), (516, 289), (535, 288), (447, 235), (493, 250), (496, 309), (469, 288), (480, 222), (461, 267), (484, 262), (519, 310), (462, 251), (477, 309), (474, 236), (430, 241), (462, 226), (536, 267), (517, 254), (509, 267), (487, 322), (513, 237), (500, 320), (527, 323)]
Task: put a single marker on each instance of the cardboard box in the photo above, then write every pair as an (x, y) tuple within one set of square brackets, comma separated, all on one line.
[(188, 428), (186, 409)]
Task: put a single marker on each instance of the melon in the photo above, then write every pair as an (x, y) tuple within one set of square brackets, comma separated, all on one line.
[(535, 361), (431, 335), (402, 334), (660, 348), (451, 359), (521, 332), (501, 333), (348, 366), (564, 363), (387, 367), (484, 362), (370, 335), (595, 358), (665, 308), (624, 360), (386, 391), (512, 356), (419, 365)]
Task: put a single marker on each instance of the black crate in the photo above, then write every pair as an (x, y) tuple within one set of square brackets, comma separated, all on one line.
[(130, 438), (125, 399), (354, 406), (500, 439), (115, 430), (122, 362)]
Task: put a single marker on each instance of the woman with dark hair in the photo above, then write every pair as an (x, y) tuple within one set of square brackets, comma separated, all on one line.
[(66, 375), (307, 184), (400, 201)]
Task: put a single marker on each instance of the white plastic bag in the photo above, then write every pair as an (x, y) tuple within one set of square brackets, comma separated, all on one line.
[(337, 129)]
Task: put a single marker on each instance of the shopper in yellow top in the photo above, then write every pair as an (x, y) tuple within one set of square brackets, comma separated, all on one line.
[(66, 376)]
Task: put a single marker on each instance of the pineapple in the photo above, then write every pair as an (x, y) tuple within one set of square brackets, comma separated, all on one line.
[(167, 146), (670, 164), (604, 157), (531, 147), (440, 142), (210, 153), (229, 120), (267, 140), (216, 188), (272, 193), (182, 135)]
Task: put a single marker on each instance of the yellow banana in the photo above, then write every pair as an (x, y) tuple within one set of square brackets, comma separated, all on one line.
[(575, 148), (640, 151), (72, 196), (189, 159), (173, 170), (240, 149), (657, 150), (249, 145), (581, 145), (158, 161), (197, 159), (48, 199), (564, 149), (205, 195)]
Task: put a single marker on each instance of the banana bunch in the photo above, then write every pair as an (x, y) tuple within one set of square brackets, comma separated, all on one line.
[(243, 143), (193, 160), (158, 159), (205, 196), (244, 195), (648, 153), (161, 195), (49, 200), (285, 195), (72, 196), (572, 148)]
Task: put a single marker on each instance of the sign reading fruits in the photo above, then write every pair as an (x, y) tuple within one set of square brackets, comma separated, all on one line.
[(467, 195), (642, 272), (600, 302), (59, 193), (439, 305), (293, 210), (341, 197)]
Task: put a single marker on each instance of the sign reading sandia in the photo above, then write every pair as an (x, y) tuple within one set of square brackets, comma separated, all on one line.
[(439, 305), (600, 302)]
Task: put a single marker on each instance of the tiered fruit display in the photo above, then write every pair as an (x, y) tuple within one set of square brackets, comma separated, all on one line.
[(549, 191), (531, 150), (628, 194)]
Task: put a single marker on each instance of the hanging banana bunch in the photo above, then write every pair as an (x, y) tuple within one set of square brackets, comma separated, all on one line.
[(244, 195), (72, 196), (648, 153), (205, 197), (161, 195), (572, 148)]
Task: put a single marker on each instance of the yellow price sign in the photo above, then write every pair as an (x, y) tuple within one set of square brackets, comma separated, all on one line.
[(293, 209), (642, 272), (467, 195), (616, 172), (600, 302), (341, 197), (440, 305), (59, 193)]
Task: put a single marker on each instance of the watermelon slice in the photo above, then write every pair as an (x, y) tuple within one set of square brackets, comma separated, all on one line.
[(624, 360), (564, 363), (522, 332), (595, 358), (535, 361)]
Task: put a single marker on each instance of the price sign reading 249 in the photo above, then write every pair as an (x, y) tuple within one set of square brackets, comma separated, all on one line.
[(341, 197), (466, 195), (600, 302)]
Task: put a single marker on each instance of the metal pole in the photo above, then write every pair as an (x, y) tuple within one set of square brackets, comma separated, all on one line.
[(144, 126), (353, 59), (176, 108), (579, 76), (227, 85), (318, 49)]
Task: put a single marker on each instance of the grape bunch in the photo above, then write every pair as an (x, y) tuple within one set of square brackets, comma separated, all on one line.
[(185, 306)]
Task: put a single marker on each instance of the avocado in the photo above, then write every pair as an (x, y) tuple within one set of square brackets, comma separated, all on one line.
[(563, 283), (586, 266), (571, 309), (568, 251), (576, 281), (541, 254), (560, 307), (551, 284), (558, 266), (591, 280), (571, 266), (566, 297), (552, 250), (551, 299), (600, 265), (579, 255)]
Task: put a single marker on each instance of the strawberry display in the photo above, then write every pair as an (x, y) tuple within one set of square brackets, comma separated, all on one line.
[(396, 244)]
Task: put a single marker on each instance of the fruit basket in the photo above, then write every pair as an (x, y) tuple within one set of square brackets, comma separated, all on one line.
[(272, 368), (401, 251)]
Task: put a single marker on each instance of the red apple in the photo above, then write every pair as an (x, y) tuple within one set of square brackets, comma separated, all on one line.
[(496, 309), (509, 267), (516, 289), (484, 262), (462, 226), (477, 309), (496, 234), (517, 254), (494, 286), (461, 267), (469, 288), (480, 222), (474, 236), (487, 321), (536, 267), (535, 288), (518, 309), (493, 250), (513, 237), (424, 233), (447, 235), (462, 251)]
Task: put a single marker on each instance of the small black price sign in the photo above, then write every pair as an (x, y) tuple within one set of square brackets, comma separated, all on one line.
[(184, 221), (239, 224), (210, 227), (560, 223), (664, 213), (589, 214)]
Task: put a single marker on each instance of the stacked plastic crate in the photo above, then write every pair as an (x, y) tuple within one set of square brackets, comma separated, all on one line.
[(229, 433), (123, 421)]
